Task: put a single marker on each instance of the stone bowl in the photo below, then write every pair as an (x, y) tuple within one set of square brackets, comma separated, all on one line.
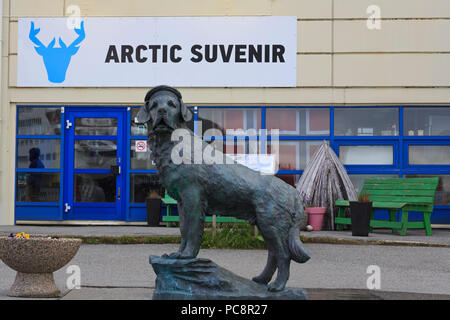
[(35, 259)]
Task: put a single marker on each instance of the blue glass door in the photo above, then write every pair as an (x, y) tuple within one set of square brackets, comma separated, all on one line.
[(94, 163)]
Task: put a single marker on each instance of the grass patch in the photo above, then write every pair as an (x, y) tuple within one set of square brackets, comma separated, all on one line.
[(233, 236), (130, 240), (228, 236)]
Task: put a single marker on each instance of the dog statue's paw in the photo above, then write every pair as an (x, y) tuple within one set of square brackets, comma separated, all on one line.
[(177, 255), (173, 255), (275, 287), (260, 280)]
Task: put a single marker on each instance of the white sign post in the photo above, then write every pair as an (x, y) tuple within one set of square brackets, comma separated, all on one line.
[(148, 51)]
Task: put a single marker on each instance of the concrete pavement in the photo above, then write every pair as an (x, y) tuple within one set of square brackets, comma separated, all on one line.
[(412, 267), (123, 271)]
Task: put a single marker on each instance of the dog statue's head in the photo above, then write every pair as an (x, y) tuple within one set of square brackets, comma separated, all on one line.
[(164, 110)]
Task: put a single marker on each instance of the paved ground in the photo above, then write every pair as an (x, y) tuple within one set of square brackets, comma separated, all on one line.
[(412, 267), (123, 271)]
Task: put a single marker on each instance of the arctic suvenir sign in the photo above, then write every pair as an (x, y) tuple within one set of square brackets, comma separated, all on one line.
[(147, 51)]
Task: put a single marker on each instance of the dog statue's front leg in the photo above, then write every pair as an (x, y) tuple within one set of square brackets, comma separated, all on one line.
[(192, 220), (183, 229)]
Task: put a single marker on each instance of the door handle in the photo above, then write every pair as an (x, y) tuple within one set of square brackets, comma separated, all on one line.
[(118, 193)]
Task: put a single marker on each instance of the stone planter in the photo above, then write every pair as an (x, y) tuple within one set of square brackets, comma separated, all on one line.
[(35, 260)]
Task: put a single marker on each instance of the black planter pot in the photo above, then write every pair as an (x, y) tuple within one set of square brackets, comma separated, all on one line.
[(360, 213), (153, 211)]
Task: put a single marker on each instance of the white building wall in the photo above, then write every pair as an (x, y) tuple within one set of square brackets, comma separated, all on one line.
[(340, 61)]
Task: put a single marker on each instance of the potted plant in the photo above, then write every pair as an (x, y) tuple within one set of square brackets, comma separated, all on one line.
[(315, 217), (360, 212), (35, 259), (153, 203)]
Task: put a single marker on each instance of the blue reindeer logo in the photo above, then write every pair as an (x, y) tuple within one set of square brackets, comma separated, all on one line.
[(56, 60)]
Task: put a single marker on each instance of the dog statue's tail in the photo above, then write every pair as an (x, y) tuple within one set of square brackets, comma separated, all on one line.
[(299, 253)]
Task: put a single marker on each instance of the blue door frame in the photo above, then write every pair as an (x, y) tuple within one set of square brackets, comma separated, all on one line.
[(113, 207)]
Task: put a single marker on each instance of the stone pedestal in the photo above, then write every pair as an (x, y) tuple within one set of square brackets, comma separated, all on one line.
[(202, 279), (34, 285)]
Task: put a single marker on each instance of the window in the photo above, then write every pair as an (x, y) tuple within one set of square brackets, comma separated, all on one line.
[(144, 186), (39, 121), (429, 155), (291, 179), (295, 155), (38, 153), (231, 118), (96, 126), (94, 187), (366, 155), (95, 154), (426, 121), (137, 129), (140, 159), (366, 121), (299, 121), (37, 187)]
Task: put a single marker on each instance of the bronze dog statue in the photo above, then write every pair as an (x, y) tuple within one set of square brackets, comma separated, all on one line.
[(222, 189)]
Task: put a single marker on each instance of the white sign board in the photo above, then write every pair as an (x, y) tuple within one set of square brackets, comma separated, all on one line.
[(263, 163), (141, 146), (149, 51)]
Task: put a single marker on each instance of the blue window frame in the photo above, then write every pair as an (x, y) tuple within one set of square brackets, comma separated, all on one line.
[(35, 182)]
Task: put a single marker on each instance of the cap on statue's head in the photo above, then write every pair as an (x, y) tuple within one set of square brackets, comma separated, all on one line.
[(151, 92)]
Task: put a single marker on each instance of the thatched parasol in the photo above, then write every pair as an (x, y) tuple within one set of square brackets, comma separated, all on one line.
[(324, 181)]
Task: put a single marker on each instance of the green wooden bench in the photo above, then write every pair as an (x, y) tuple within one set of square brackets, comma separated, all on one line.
[(394, 194), (169, 218)]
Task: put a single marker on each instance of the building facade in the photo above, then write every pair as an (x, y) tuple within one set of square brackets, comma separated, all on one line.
[(373, 79)]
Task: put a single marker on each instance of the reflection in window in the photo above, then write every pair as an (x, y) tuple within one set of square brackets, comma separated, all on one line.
[(137, 129), (144, 186), (427, 121), (95, 187), (442, 196), (39, 121), (232, 118), (38, 153), (140, 159), (96, 126), (37, 187), (366, 121), (291, 179), (295, 155), (366, 155), (299, 122), (429, 155), (358, 179)]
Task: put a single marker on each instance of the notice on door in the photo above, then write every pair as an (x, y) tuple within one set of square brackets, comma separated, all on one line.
[(141, 146), (148, 51)]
